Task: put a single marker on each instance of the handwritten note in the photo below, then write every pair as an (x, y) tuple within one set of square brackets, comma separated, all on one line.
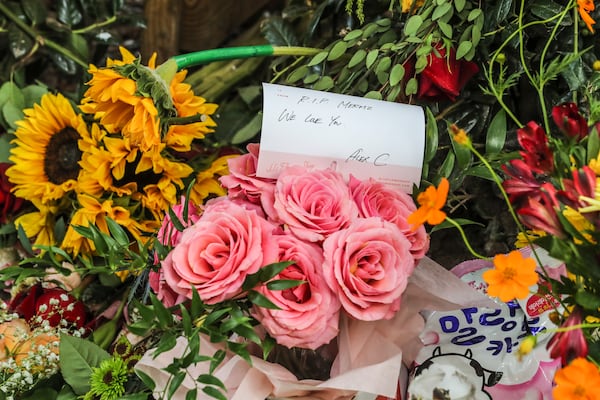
[(353, 135)]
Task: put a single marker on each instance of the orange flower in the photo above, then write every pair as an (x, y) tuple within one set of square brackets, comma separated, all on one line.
[(585, 6), (511, 277), (430, 203), (460, 136), (579, 380)]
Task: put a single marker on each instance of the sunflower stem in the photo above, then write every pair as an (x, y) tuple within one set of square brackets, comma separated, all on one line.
[(39, 38), (230, 53), (190, 119)]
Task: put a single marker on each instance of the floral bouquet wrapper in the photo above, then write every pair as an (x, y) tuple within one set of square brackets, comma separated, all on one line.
[(371, 356), (472, 354)]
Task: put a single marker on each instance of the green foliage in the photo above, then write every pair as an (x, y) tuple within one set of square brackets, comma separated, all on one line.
[(65, 36)]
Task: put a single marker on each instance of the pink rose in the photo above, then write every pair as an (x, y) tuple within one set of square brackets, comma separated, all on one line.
[(313, 204), (368, 265), (242, 182), (375, 199), (217, 253), (168, 234), (308, 314), (163, 291)]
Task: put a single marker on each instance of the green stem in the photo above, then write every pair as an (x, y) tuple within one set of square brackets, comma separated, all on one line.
[(96, 25), (511, 210), (542, 78), (230, 53), (39, 38), (463, 235)]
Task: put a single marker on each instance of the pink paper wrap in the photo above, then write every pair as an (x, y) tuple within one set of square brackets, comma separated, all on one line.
[(371, 355)]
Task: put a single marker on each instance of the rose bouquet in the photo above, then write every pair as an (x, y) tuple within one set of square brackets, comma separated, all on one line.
[(315, 262)]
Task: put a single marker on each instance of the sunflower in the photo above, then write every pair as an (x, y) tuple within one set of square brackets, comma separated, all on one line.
[(179, 137), (46, 154), (207, 181), (159, 196), (94, 211), (98, 167), (119, 100), (39, 224)]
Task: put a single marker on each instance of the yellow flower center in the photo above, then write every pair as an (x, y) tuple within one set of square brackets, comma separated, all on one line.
[(509, 272)]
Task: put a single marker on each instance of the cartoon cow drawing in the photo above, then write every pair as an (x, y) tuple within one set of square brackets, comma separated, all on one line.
[(457, 367)]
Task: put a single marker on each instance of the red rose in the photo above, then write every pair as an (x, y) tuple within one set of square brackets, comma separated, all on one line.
[(9, 203), (53, 305), (444, 77)]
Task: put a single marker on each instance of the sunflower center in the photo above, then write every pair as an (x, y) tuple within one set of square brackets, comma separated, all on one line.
[(62, 156)]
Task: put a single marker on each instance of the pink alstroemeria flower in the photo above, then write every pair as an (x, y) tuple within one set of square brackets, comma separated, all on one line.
[(570, 343)]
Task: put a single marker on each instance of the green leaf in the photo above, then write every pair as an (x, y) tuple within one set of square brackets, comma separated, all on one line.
[(279, 33), (66, 393), (383, 65), (355, 34), (324, 83), (68, 13), (11, 114), (146, 379), (214, 393), (496, 133), (411, 86), (357, 58), (248, 131), (371, 58), (163, 315), (33, 94), (459, 5), (397, 74), (412, 25), (66, 64), (593, 144), (42, 393), (167, 342), (283, 284), (35, 10), (441, 11), (448, 165), (338, 50), (476, 12), (117, 232), (192, 394), (318, 58), (298, 74), (79, 45), (373, 94), (210, 380), (175, 382), (19, 42), (431, 136), (77, 358), (260, 300), (445, 28), (463, 49), (588, 300)]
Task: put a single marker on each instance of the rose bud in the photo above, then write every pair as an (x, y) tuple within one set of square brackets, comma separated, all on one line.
[(9, 203), (55, 305), (566, 116)]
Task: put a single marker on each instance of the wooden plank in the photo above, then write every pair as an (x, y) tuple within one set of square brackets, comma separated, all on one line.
[(162, 32), (207, 24)]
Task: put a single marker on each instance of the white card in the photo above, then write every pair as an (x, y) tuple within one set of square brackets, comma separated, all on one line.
[(353, 135)]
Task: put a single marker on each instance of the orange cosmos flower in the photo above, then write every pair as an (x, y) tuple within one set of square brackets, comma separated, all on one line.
[(511, 277), (579, 380), (430, 202), (585, 6)]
